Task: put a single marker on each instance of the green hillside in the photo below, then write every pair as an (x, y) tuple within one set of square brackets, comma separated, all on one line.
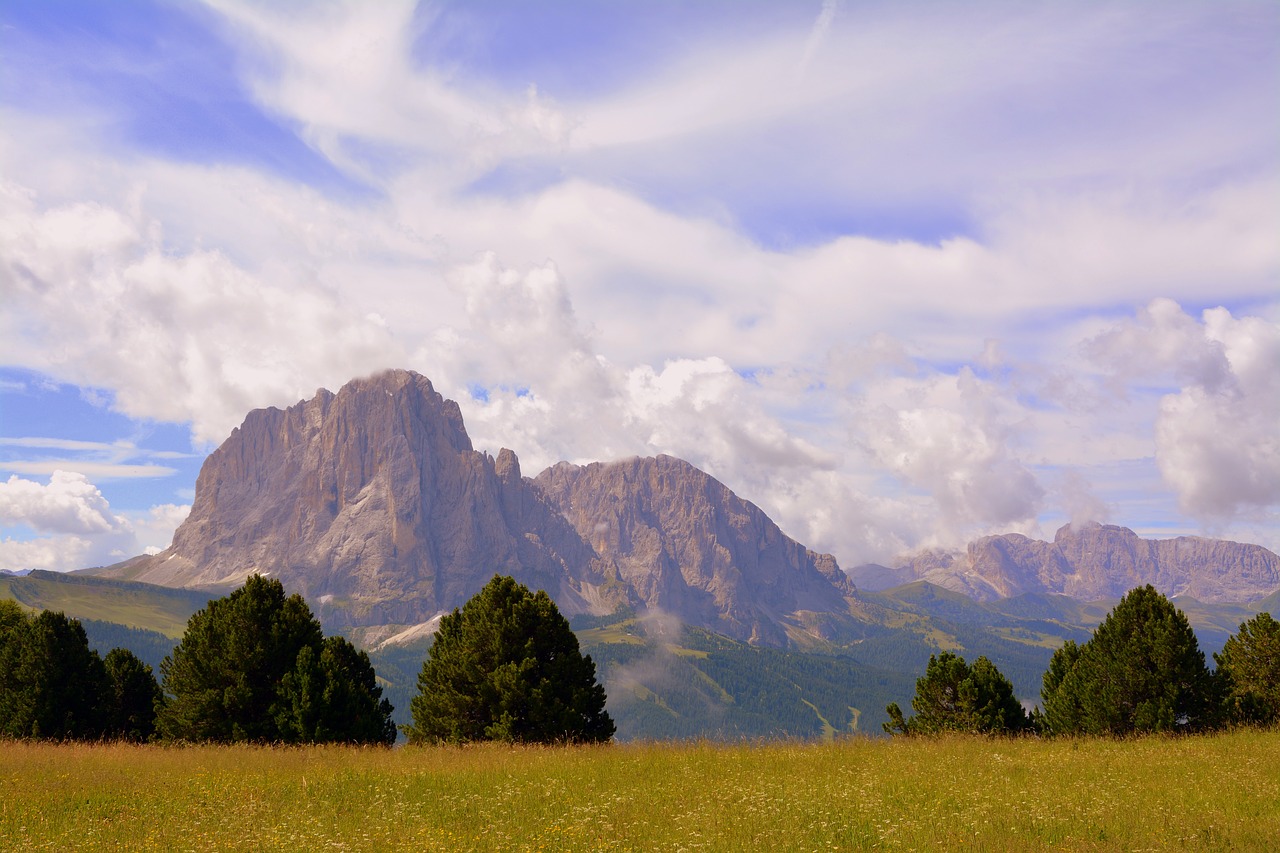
[(688, 683), (696, 684), (151, 647), (135, 605), (701, 685), (1020, 634)]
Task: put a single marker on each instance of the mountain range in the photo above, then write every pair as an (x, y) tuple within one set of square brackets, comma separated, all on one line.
[(1090, 562), (705, 619), (374, 505)]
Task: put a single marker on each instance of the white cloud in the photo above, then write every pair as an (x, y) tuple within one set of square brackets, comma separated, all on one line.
[(1079, 500), (68, 504), (955, 437), (346, 73), (56, 553), (192, 337), (85, 530), (99, 471), (65, 444), (154, 529), (1216, 440), (871, 392), (550, 394)]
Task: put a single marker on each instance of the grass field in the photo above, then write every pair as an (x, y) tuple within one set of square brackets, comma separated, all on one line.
[(1213, 793)]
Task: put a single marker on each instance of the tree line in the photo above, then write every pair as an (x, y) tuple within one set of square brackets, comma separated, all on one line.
[(255, 667), (52, 686), (1141, 671)]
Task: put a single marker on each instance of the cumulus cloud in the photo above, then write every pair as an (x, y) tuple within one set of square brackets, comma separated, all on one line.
[(1215, 437), (68, 504), (541, 376), (956, 438), (85, 530), (53, 553), (1080, 502), (94, 300), (154, 530), (71, 508), (597, 272)]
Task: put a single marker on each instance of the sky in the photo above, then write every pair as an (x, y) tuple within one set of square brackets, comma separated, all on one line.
[(901, 273)]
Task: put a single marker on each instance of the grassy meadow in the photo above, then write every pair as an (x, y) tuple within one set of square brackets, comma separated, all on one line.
[(1215, 792)]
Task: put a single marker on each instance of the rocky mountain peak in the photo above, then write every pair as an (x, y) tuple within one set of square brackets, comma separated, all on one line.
[(373, 504), (691, 547), (507, 466)]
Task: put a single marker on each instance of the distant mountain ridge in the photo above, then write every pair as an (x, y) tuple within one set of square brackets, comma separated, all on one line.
[(1090, 562), (373, 504)]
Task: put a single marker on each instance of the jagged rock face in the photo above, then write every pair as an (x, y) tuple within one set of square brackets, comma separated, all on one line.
[(372, 503), (1094, 561), (689, 546)]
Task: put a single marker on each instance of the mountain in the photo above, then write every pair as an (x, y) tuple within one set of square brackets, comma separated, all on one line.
[(704, 617), (373, 504), (692, 548), (1090, 562)]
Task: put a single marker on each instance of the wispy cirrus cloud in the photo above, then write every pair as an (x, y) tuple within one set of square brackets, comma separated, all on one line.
[(98, 460)]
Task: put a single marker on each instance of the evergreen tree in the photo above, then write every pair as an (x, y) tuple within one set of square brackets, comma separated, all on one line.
[(51, 683), (223, 679), (334, 698), (132, 697), (953, 696), (255, 666), (11, 616), (1141, 671), (507, 667), (1064, 713), (1249, 670)]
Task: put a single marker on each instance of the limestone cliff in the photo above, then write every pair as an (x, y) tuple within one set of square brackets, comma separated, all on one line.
[(689, 546), (373, 504)]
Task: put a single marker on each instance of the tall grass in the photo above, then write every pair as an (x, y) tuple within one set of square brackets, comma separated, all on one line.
[(1213, 792)]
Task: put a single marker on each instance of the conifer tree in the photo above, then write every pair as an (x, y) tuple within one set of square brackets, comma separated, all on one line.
[(255, 666), (132, 698), (507, 667), (1141, 671), (1249, 670), (51, 683), (953, 696), (334, 698)]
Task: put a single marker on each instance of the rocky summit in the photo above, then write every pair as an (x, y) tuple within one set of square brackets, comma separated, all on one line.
[(1091, 562), (374, 505), (689, 546)]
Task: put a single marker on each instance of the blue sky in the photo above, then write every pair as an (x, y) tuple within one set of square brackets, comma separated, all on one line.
[(900, 273)]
